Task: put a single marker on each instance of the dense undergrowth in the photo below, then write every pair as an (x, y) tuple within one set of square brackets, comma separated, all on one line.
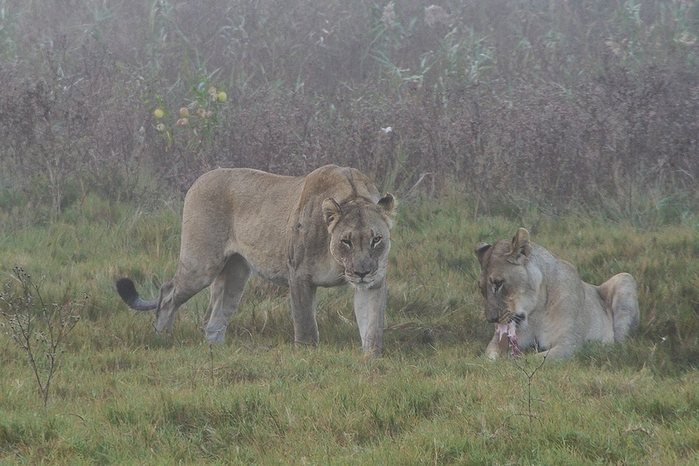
[(544, 104)]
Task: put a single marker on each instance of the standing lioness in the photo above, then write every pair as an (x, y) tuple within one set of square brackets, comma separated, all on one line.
[(539, 299), (325, 229)]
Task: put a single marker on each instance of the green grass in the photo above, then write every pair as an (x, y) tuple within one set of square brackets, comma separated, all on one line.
[(123, 395)]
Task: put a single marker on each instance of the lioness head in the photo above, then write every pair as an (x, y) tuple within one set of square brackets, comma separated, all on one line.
[(360, 237), (509, 286)]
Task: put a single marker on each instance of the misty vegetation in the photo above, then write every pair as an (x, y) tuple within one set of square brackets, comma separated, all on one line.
[(546, 105)]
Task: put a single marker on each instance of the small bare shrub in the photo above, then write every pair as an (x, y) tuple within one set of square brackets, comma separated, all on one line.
[(38, 328)]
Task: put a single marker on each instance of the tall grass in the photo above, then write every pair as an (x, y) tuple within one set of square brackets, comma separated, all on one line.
[(122, 394)]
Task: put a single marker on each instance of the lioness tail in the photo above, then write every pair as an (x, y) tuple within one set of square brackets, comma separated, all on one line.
[(127, 290)]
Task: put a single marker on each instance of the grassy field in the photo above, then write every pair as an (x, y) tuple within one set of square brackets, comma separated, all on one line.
[(123, 395)]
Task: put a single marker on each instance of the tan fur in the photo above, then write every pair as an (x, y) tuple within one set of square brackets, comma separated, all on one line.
[(325, 229), (554, 309)]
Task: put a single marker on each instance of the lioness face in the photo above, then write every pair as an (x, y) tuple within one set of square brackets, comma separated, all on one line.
[(509, 287), (360, 238)]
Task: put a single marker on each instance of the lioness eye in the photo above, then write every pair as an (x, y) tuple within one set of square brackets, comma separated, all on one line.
[(376, 240), (346, 243), (496, 284)]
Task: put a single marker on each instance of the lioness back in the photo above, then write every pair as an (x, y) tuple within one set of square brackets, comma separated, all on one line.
[(254, 213), (244, 211)]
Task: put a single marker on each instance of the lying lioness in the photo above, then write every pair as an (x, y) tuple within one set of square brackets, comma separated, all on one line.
[(537, 299), (325, 229)]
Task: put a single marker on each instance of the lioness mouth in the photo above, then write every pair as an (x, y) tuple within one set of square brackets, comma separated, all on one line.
[(517, 319), (510, 329)]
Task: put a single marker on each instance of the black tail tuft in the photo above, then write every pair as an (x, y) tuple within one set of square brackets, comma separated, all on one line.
[(127, 290)]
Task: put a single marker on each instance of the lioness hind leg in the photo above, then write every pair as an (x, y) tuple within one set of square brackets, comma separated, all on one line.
[(226, 293), (620, 296), (175, 293)]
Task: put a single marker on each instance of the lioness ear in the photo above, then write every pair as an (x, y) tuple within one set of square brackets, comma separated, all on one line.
[(521, 248), (480, 250), (388, 205), (331, 212)]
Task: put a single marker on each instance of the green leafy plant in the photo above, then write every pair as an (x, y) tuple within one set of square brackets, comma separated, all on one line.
[(193, 126)]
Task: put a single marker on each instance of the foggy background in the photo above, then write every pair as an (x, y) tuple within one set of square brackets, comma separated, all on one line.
[(548, 105)]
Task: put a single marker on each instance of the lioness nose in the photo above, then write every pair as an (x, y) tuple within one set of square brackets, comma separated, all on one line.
[(361, 274)]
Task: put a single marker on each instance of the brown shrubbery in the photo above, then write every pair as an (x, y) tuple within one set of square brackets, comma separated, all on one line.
[(540, 103)]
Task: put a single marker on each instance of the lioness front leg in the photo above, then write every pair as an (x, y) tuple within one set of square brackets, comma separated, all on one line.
[(303, 312), (499, 346), (369, 310)]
